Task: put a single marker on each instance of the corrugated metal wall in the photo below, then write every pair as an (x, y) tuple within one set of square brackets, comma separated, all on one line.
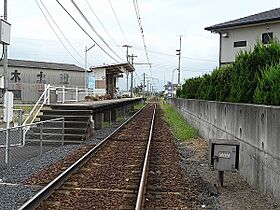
[(30, 81)]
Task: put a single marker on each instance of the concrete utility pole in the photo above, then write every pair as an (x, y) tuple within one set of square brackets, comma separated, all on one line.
[(127, 46), (127, 59), (5, 59), (144, 84), (131, 85), (86, 50), (179, 62)]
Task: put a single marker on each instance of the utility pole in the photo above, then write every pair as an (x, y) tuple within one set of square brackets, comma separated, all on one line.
[(86, 50), (179, 62), (131, 85), (127, 59), (5, 59), (127, 46), (144, 84)]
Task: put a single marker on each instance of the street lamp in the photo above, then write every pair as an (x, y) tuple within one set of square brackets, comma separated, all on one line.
[(86, 50)]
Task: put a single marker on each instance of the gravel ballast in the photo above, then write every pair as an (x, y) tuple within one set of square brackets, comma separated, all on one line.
[(14, 191)]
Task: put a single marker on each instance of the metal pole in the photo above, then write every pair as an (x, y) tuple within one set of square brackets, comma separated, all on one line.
[(144, 85), (131, 85), (77, 94), (86, 50), (179, 62), (5, 73), (41, 139), (63, 130), (127, 46), (8, 144), (5, 59), (63, 94)]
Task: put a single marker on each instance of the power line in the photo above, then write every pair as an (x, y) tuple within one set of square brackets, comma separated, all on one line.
[(60, 30), (56, 32), (137, 12), (90, 7), (91, 26), (116, 17), (168, 54), (85, 31)]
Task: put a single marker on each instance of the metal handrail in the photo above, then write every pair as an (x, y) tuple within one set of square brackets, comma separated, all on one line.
[(46, 97), (32, 124), (142, 185)]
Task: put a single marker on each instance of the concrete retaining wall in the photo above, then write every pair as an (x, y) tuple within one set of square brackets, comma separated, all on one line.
[(256, 127)]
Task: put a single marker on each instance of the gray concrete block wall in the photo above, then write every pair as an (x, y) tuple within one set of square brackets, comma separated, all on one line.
[(256, 127)]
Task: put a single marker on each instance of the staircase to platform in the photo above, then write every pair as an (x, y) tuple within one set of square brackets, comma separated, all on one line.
[(75, 128)]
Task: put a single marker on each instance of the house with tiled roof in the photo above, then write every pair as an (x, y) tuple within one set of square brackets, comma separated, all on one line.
[(243, 33)]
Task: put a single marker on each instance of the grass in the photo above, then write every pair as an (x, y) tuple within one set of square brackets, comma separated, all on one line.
[(138, 106), (106, 124), (120, 119), (180, 128)]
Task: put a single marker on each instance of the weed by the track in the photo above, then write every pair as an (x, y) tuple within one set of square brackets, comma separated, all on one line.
[(179, 126)]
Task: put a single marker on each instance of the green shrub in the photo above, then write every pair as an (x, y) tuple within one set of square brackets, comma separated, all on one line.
[(240, 81), (268, 89)]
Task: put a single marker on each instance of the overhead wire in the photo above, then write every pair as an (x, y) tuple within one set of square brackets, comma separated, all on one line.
[(117, 19), (106, 31), (59, 38), (57, 26), (94, 30), (86, 32), (137, 12), (168, 54)]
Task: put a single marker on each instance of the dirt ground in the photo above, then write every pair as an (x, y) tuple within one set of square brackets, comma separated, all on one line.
[(236, 194)]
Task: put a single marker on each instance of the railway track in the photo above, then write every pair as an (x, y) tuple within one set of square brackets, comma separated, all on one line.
[(134, 168)]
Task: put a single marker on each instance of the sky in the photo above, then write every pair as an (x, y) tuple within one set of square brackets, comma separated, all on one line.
[(163, 21)]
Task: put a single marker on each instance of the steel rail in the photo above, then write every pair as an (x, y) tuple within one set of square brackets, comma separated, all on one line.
[(142, 186), (44, 193)]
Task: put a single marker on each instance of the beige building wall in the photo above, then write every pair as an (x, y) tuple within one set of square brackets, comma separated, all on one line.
[(245, 33), (100, 76)]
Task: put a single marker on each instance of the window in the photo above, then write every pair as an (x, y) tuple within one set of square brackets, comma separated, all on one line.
[(17, 94), (266, 37), (240, 44)]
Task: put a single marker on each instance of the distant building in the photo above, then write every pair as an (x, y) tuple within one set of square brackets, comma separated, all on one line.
[(170, 88), (242, 34), (26, 79)]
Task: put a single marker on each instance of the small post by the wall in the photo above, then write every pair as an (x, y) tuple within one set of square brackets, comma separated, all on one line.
[(221, 178), (77, 94), (63, 131), (63, 94), (41, 139), (8, 145)]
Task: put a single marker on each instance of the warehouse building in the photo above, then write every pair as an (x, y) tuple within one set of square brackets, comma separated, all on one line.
[(27, 79)]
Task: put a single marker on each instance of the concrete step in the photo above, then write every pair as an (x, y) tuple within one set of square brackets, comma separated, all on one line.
[(76, 124), (69, 107), (66, 117), (66, 112)]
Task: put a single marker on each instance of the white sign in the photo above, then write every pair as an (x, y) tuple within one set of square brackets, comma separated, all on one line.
[(5, 30), (8, 106), (91, 81), (224, 154)]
